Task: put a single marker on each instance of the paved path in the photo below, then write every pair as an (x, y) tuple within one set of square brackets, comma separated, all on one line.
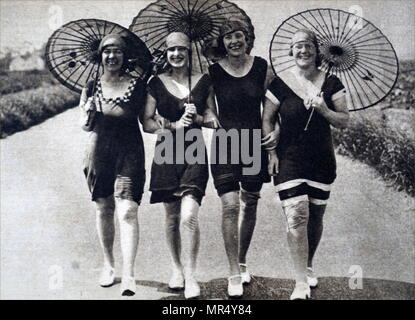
[(49, 247)]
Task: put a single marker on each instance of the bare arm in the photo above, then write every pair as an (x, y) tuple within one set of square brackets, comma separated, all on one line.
[(82, 101), (210, 119), (270, 133), (270, 125), (149, 124), (269, 77), (84, 106)]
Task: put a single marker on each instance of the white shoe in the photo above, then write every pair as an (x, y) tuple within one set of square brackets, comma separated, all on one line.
[(128, 286), (311, 278), (107, 276), (235, 290), (191, 288), (301, 291), (246, 277), (177, 280)]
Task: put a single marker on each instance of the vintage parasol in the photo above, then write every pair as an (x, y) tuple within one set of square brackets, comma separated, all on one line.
[(351, 47), (71, 52), (199, 19)]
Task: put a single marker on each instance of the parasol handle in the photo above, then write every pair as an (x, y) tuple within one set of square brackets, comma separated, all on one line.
[(312, 109), (190, 75), (309, 118)]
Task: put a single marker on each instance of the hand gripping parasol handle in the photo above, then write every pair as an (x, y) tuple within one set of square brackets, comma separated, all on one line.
[(312, 110)]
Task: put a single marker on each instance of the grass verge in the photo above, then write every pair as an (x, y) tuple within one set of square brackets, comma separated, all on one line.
[(390, 151), (19, 111)]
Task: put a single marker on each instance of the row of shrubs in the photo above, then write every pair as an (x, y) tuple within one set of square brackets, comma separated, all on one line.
[(389, 151), (402, 95), (19, 111), (15, 81)]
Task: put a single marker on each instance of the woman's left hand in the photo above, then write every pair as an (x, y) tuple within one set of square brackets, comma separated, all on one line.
[(317, 103)]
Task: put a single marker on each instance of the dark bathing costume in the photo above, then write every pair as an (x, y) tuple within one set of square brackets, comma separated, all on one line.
[(239, 103), (114, 162), (169, 182), (307, 164)]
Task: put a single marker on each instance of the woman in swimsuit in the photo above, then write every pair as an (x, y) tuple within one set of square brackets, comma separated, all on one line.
[(303, 161), (239, 82), (114, 163), (178, 182)]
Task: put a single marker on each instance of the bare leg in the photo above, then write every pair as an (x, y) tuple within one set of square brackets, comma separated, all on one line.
[(191, 233), (315, 230), (249, 202), (127, 212), (173, 236), (230, 216), (191, 238), (105, 228), (297, 217)]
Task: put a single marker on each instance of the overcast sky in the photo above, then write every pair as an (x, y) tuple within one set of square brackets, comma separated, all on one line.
[(34, 21)]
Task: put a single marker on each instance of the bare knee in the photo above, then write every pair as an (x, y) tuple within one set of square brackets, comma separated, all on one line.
[(172, 215), (249, 202), (105, 207), (172, 221), (297, 215), (127, 210), (230, 207), (189, 213), (230, 211), (249, 198), (190, 221)]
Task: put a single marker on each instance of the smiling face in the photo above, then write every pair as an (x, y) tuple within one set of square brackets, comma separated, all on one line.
[(235, 43), (304, 50), (178, 56), (112, 58)]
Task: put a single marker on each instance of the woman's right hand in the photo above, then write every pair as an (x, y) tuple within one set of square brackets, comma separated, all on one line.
[(162, 122), (191, 110), (273, 163), (89, 105), (185, 121), (269, 142)]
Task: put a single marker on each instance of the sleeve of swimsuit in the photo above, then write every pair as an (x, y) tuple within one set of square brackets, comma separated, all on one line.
[(152, 87), (336, 88), (213, 69), (333, 91), (276, 91)]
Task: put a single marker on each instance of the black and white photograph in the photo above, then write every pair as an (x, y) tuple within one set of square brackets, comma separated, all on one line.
[(222, 150)]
